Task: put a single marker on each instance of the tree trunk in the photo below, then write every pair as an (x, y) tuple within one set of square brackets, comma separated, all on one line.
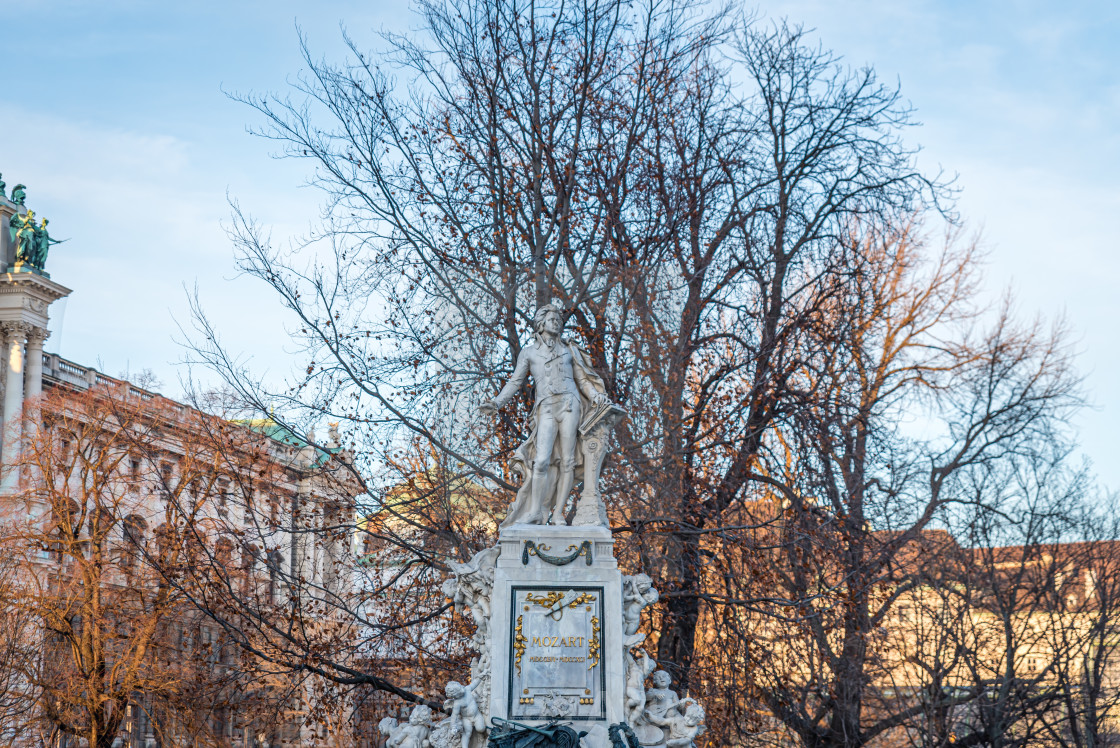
[(677, 645)]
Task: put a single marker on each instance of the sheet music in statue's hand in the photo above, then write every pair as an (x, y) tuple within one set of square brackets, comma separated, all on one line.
[(606, 412)]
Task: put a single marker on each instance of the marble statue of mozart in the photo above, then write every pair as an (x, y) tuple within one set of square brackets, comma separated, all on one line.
[(567, 391)]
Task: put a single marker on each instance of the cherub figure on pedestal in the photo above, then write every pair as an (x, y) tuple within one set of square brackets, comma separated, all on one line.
[(470, 589), (660, 699), (413, 734), (683, 723), (472, 585), (466, 717), (637, 594), (636, 671)]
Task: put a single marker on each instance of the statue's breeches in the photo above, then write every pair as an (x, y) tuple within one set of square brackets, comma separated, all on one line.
[(557, 419)]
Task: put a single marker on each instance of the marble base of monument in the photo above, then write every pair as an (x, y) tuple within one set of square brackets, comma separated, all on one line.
[(557, 629)]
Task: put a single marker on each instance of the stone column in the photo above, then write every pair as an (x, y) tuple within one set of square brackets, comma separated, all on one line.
[(16, 334), (33, 383)]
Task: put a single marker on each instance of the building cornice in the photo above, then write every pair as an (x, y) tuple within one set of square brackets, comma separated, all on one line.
[(47, 289)]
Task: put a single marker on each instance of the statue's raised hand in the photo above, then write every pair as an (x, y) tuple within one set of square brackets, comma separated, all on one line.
[(488, 408)]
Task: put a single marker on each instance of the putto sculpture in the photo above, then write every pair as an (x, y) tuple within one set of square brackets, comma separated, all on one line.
[(570, 407), (466, 718), (637, 669), (412, 734), (470, 588), (638, 593), (683, 723), (660, 699)]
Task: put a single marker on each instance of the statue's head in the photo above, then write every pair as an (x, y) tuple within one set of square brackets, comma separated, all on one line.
[(454, 689), (694, 714), (548, 319), (661, 679), (421, 715), (386, 725)]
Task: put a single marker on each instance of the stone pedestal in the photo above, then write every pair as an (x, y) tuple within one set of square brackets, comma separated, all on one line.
[(557, 629), (595, 434)]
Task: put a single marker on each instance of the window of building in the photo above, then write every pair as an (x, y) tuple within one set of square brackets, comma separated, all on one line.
[(223, 498), (134, 473), (166, 472), (65, 452), (275, 568), (223, 551), (134, 530)]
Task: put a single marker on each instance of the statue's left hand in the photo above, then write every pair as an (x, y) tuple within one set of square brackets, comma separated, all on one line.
[(601, 399)]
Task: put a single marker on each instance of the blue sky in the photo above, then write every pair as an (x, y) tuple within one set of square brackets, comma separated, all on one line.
[(114, 115)]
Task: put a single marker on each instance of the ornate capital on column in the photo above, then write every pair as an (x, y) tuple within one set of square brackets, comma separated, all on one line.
[(37, 336), (16, 330)]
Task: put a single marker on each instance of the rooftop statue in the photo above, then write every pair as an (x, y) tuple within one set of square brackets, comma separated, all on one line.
[(19, 194), (567, 393), (32, 241), (3, 185), (43, 242), (22, 230)]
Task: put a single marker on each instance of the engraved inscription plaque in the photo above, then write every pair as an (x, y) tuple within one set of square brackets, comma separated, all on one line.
[(556, 641)]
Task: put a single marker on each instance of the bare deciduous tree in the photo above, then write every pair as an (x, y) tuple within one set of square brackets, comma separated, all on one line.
[(680, 181), (108, 636), (854, 488)]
